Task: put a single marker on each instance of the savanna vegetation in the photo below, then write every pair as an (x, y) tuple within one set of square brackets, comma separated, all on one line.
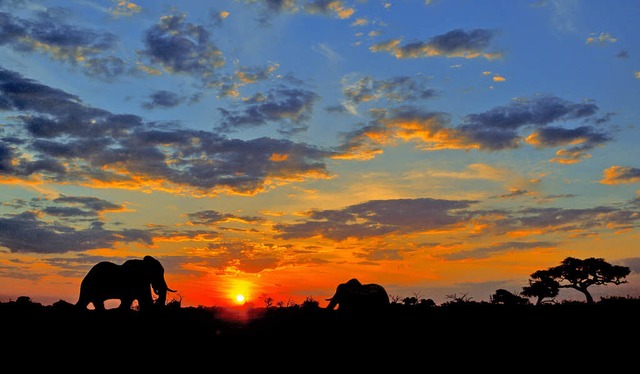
[(508, 322)]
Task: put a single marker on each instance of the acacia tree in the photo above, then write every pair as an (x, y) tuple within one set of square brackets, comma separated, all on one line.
[(577, 274), (541, 286)]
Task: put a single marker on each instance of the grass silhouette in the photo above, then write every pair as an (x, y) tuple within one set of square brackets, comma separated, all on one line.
[(470, 329)]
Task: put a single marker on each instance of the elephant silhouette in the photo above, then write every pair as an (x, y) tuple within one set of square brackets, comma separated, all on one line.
[(355, 296), (133, 280)]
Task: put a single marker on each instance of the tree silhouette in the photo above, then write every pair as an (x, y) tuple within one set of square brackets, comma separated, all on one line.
[(577, 274), (541, 286), (410, 300)]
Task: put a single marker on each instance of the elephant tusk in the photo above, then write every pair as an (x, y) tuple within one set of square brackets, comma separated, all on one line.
[(170, 290)]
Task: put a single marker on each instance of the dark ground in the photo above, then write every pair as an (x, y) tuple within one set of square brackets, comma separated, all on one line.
[(403, 336)]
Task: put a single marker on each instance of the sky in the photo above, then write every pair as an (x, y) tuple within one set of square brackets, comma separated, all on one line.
[(276, 148)]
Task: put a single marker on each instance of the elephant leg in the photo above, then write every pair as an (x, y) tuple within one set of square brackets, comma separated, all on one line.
[(125, 304), (82, 304), (145, 301), (98, 305)]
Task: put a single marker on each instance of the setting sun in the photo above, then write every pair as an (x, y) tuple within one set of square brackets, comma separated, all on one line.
[(240, 299)]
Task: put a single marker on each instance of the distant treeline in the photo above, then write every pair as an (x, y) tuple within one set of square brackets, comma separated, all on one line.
[(466, 326)]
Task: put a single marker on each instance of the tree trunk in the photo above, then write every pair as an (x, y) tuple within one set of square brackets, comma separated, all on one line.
[(588, 296)]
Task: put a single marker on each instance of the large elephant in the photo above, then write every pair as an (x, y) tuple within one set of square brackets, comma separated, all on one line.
[(133, 280), (355, 296)]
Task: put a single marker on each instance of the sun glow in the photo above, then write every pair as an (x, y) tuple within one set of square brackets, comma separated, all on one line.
[(239, 292)]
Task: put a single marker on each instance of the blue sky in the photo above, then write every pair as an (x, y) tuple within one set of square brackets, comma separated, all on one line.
[(278, 148)]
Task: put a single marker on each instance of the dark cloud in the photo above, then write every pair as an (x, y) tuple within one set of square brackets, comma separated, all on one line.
[(80, 148), (585, 138), (339, 109), (25, 233), (271, 8), (253, 74), (486, 252), (411, 216), (525, 120), (328, 7), (163, 99), (501, 127), (88, 202), (48, 34), (23, 94), (455, 43), (537, 111), (461, 41), (512, 194), (377, 218), (6, 158), (586, 220), (68, 212), (71, 142), (50, 112), (45, 165), (107, 67), (278, 6), (396, 89), (290, 107), (182, 48), (554, 136), (623, 54), (70, 207), (211, 217)]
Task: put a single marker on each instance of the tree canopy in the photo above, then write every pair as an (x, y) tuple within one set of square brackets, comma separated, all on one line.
[(577, 274)]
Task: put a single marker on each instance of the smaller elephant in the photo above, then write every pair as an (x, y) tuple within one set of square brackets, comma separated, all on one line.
[(355, 296), (133, 280)]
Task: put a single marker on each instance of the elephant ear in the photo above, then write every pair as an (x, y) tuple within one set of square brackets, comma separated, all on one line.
[(152, 267)]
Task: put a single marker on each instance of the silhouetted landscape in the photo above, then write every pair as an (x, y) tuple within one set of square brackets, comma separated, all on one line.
[(466, 328), (246, 156)]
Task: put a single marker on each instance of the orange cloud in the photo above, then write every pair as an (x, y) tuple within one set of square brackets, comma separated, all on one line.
[(429, 131), (620, 174), (125, 9), (341, 11), (569, 157)]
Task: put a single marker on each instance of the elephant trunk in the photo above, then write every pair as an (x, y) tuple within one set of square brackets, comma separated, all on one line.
[(332, 303), (161, 290), (162, 298)]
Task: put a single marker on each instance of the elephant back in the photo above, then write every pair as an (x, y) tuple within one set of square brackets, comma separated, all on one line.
[(102, 272), (135, 271), (376, 292), (355, 297)]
